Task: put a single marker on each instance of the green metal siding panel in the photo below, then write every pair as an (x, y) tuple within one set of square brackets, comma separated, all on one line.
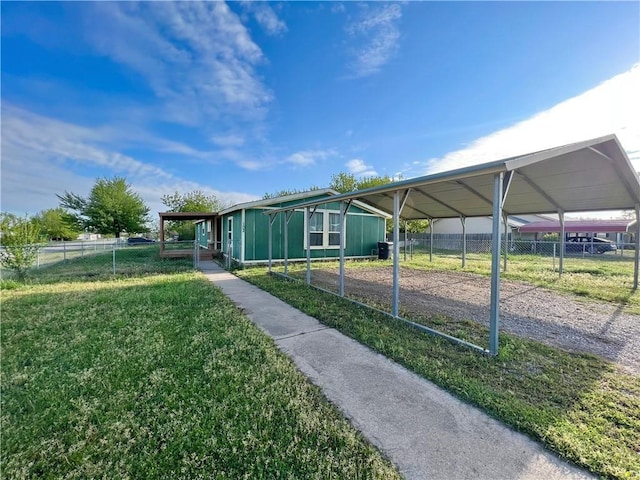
[(363, 233), (202, 234), (236, 233)]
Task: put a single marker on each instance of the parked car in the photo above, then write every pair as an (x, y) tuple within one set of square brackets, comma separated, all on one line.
[(589, 245), (139, 241)]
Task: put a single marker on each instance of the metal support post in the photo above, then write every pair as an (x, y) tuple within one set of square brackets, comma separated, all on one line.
[(286, 243), (405, 241), (308, 214), (271, 219), (431, 240), (561, 256), (464, 241), (636, 254), (506, 243), (114, 260), (343, 216), (494, 319), (395, 305)]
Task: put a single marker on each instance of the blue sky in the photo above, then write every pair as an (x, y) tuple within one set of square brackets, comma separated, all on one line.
[(241, 99)]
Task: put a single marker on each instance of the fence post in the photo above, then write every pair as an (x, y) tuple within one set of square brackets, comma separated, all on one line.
[(38, 260), (114, 260), (554, 256), (64, 251), (82, 249)]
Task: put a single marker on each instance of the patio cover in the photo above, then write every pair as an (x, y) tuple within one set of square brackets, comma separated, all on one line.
[(592, 175)]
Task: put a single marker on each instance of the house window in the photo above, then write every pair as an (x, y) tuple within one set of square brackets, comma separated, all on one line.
[(316, 227), (334, 229), (324, 230)]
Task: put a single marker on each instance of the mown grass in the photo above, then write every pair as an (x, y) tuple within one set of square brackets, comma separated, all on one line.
[(578, 405), (154, 373)]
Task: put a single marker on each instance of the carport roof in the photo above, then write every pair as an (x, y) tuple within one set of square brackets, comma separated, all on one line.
[(591, 175)]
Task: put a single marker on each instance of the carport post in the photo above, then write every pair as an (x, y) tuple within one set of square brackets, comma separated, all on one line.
[(636, 254), (561, 263), (308, 217), (395, 307), (405, 241), (343, 216), (271, 219), (431, 240), (494, 319), (286, 242), (464, 241), (506, 242)]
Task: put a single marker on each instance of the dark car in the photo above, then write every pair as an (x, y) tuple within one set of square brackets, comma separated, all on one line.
[(589, 245), (139, 241)]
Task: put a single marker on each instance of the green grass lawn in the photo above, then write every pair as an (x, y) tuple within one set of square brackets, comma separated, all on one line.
[(578, 405), (154, 373)]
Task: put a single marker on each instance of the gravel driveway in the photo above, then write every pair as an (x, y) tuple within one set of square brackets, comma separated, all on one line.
[(554, 318)]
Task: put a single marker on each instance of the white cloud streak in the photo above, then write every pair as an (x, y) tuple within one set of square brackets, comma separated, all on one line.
[(41, 157), (611, 107), (376, 34), (307, 158), (197, 57), (360, 169), (266, 17)]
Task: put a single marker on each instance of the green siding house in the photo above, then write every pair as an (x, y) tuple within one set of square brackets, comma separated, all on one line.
[(241, 232)]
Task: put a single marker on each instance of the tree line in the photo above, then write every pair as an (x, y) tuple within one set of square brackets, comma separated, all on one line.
[(113, 208)]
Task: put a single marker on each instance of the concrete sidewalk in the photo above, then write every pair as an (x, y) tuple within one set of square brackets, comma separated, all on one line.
[(425, 431)]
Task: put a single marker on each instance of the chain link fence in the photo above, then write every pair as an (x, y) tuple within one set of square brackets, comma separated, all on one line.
[(53, 253), (543, 253)]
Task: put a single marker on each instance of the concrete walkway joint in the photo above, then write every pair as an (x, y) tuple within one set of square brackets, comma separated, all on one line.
[(424, 430)]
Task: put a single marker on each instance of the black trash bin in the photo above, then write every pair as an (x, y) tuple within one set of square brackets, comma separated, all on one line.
[(384, 249)]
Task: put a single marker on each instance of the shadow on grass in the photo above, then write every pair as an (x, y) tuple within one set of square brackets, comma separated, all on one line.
[(578, 405)]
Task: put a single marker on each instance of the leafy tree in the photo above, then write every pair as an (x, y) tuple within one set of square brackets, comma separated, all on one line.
[(196, 201), (282, 193), (347, 182), (57, 224), (20, 241), (111, 208), (344, 182)]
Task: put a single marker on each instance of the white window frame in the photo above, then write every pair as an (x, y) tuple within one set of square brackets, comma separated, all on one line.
[(325, 231)]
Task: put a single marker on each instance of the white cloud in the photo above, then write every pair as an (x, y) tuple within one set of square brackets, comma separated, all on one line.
[(377, 34), (307, 158), (41, 157), (360, 169), (197, 57), (611, 107), (266, 17), (229, 140)]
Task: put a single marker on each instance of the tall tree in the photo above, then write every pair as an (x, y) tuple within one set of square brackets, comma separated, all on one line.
[(347, 182), (111, 208), (196, 201), (57, 224), (21, 241)]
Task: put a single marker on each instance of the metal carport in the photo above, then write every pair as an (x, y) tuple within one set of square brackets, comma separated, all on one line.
[(593, 175)]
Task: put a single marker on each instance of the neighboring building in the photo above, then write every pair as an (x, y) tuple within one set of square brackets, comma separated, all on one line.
[(241, 232), (481, 225), (616, 230)]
